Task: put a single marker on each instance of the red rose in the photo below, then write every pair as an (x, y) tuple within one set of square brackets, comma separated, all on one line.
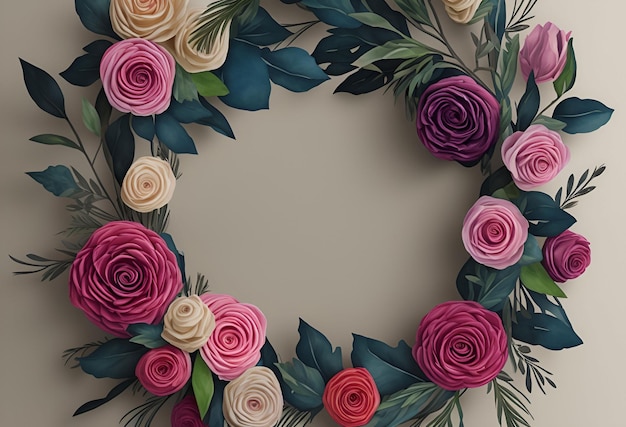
[(351, 397)]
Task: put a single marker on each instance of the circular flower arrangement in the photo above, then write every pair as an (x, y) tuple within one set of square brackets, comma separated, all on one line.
[(163, 64)]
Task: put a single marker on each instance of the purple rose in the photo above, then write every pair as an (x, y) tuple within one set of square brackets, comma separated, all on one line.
[(566, 256), (164, 370), (124, 274), (186, 414), (460, 344), (534, 156), (544, 52), (494, 232), (458, 119)]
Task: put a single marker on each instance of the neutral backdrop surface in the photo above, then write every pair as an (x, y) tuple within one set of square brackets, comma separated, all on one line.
[(326, 207)]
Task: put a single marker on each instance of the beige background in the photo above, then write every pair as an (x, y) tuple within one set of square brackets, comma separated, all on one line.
[(326, 207)]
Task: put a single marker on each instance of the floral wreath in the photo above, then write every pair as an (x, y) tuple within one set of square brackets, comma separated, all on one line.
[(162, 65)]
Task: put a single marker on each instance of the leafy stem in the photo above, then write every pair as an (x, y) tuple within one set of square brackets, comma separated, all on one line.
[(508, 401)]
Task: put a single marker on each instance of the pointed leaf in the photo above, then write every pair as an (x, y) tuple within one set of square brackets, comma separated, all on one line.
[(582, 115), (56, 179), (293, 68), (184, 88), (532, 252), (567, 78), (90, 117), (304, 385), (315, 351), (144, 126), (50, 139), (115, 391), (215, 415), (416, 9), (173, 135), (44, 90), (180, 258), (529, 104), (376, 21), (147, 335), (94, 14), (217, 121), (335, 13), (188, 111), (394, 49), (485, 285), (85, 70), (545, 216), (263, 30), (121, 145), (202, 384), (116, 358), (497, 17), (208, 84), (536, 278), (546, 331)]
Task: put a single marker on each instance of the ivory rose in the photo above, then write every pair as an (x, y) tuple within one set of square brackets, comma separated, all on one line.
[(534, 156), (188, 57), (124, 274), (494, 232), (138, 76), (566, 256), (158, 20), (164, 370), (235, 344), (544, 52), (351, 397), (461, 11), (148, 184), (188, 323), (186, 414), (460, 344), (254, 399)]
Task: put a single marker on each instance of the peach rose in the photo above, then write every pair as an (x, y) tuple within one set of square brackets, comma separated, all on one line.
[(153, 20), (461, 11), (148, 185), (188, 323)]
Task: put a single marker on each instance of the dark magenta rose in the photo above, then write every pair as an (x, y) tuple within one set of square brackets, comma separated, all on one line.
[(164, 370), (458, 119), (186, 414), (461, 344), (124, 274), (566, 256)]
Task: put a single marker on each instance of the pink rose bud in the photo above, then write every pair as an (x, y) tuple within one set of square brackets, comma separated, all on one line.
[(544, 52), (534, 156), (566, 256)]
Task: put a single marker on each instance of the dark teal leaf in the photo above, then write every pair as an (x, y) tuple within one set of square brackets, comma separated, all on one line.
[(263, 30), (115, 391), (293, 68), (497, 180), (94, 14), (147, 335), (485, 285), (416, 9), (315, 351), (392, 16), (56, 179), (304, 385), (85, 70), (173, 135), (363, 81), (567, 78), (246, 75), (529, 104), (116, 358), (50, 139), (103, 107), (545, 216), (144, 126), (532, 252), (217, 121), (188, 111), (544, 330), (180, 257), (582, 115), (547, 306), (44, 90), (215, 415), (333, 12), (497, 17), (121, 145), (393, 368)]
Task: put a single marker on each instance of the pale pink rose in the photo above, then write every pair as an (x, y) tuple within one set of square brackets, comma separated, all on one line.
[(460, 344), (239, 334), (544, 52), (186, 414), (535, 156), (158, 20), (164, 370), (494, 232), (138, 76), (566, 256), (124, 274)]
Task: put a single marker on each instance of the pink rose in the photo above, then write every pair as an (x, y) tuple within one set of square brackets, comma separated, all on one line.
[(124, 274), (494, 232), (566, 256), (461, 344), (185, 413), (239, 334), (351, 397), (544, 52), (534, 156), (164, 370), (138, 76)]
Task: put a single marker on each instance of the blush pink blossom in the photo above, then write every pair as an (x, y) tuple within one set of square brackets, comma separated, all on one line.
[(186, 414), (494, 232), (164, 370), (124, 274), (566, 256), (461, 344), (138, 76), (544, 52), (239, 334), (535, 156)]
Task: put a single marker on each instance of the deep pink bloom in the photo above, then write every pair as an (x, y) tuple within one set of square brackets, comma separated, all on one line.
[(186, 414), (535, 156), (566, 256), (138, 76), (351, 397), (164, 370), (544, 52), (461, 344), (239, 334), (457, 119), (124, 274), (494, 232)]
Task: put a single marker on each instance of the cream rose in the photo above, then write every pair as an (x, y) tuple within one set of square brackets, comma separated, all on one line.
[(148, 185), (188, 323), (461, 11), (254, 399), (153, 20), (188, 57)]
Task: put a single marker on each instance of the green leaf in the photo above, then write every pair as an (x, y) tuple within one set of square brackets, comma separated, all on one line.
[(375, 20), (305, 385), (549, 122), (536, 278), (394, 49), (208, 84), (508, 68), (202, 384), (483, 10), (567, 78), (415, 9), (90, 117), (50, 139), (184, 88)]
